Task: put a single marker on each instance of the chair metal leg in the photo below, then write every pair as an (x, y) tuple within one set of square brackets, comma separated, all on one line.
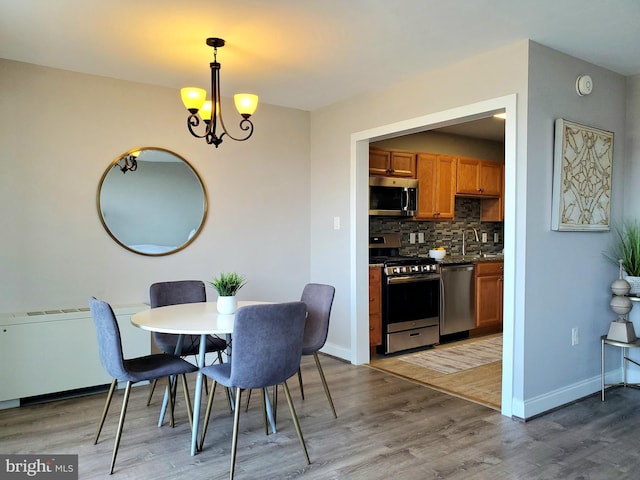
[(264, 410), (295, 421), (151, 390), (234, 441), (105, 409), (229, 402), (123, 413), (187, 399), (171, 404), (275, 403), (300, 382), (207, 414), (324, 384), (248, 400)]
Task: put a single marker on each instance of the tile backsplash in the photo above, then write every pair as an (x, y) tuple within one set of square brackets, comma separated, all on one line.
[(447, 234)]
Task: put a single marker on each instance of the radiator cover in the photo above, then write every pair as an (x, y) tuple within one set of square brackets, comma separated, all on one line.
[(53, 351)]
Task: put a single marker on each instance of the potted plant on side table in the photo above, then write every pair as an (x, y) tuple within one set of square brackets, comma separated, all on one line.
[(626, 251), (227, 286)]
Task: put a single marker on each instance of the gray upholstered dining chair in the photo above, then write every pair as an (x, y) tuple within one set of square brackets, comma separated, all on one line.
[(148, 367), (162, 294), (267, 347), (319, 299)]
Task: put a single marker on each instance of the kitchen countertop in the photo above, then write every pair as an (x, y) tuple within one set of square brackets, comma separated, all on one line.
[(458, 259), (454, 259)]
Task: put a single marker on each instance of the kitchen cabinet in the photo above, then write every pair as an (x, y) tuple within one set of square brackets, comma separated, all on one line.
[(489, 279), (392, 163), (375, 306), (492, 209), (436, 176), (478, 178)]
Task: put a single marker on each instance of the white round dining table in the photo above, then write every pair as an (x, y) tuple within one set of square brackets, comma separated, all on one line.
[(191, 319)]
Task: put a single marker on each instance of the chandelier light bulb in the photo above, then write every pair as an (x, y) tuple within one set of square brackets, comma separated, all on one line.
[(193, 98), (205, 111), (246, 103)]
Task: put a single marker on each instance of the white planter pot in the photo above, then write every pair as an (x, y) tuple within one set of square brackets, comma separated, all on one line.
[(635, 285), (227, 305)]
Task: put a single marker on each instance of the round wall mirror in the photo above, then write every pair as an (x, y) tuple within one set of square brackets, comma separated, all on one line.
[(151, 201)]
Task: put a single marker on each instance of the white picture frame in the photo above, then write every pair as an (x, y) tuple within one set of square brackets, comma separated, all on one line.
[(582, 164)]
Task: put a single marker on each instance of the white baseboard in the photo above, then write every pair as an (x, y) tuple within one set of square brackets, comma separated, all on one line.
[(562, 396), (9, 404), (336, 351)]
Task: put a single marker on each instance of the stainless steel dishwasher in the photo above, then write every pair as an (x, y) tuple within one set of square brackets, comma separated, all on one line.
[(457, 298)]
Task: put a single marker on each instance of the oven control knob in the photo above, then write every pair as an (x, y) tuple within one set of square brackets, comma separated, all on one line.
[(395, 270), (415, 268)]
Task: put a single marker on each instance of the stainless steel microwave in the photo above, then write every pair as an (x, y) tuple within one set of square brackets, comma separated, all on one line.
[(394, 197)]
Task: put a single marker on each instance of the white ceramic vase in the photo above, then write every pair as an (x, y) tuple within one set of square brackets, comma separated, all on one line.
[(634, 282), (227, 305)]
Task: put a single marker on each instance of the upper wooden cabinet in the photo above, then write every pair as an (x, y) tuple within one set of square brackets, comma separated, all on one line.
[(436, 176), (478, 178), (392, 163), (492, 209)]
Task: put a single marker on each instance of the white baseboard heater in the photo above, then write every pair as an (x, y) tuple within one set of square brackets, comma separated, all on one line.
[(46, 352)]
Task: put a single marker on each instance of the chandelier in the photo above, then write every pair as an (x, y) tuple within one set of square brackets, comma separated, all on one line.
[(130, 162), (209, 111)]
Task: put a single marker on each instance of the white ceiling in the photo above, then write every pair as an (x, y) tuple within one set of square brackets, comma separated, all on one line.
[(305, 53)]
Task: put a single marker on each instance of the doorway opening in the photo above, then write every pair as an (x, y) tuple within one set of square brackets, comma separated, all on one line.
[(360, 225)]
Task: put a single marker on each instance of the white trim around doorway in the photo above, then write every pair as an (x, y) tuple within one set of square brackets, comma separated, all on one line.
[(359, 227)]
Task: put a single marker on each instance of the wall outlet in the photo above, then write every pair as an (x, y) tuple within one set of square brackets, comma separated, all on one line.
[(484, 237), (496, 238), (412, 238), (336, 223), (420, 237), (575, 336)]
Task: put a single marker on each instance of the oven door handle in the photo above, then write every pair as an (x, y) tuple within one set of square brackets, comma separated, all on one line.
[(412, 278)]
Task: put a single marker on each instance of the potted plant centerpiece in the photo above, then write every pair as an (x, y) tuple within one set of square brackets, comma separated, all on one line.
[(626, 250), (227, 285)]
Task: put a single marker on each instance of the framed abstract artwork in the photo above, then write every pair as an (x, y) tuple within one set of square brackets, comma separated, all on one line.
[(582, 162)]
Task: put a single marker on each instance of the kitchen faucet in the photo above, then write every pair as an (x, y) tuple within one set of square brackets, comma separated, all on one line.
[(475, 232)]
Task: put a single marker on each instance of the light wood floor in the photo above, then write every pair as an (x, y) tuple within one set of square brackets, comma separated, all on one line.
[(387, 427), (481, 384)]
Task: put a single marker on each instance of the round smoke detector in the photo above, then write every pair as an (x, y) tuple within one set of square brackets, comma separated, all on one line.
[(584, 85)]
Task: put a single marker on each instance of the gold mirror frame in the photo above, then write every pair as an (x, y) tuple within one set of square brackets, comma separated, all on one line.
[(130, 168)]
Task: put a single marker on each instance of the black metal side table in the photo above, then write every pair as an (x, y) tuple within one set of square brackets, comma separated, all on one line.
[(624, 352)]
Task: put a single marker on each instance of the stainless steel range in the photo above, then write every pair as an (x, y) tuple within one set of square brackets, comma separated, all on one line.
[(410, 296)]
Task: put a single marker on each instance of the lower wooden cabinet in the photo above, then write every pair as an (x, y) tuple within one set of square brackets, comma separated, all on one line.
[(489, 278), (375, 306)]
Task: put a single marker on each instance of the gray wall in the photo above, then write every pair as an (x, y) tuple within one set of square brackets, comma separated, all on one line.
[(556, 281), (631, 205), (54, 149), (447, 144), (567, 277)]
